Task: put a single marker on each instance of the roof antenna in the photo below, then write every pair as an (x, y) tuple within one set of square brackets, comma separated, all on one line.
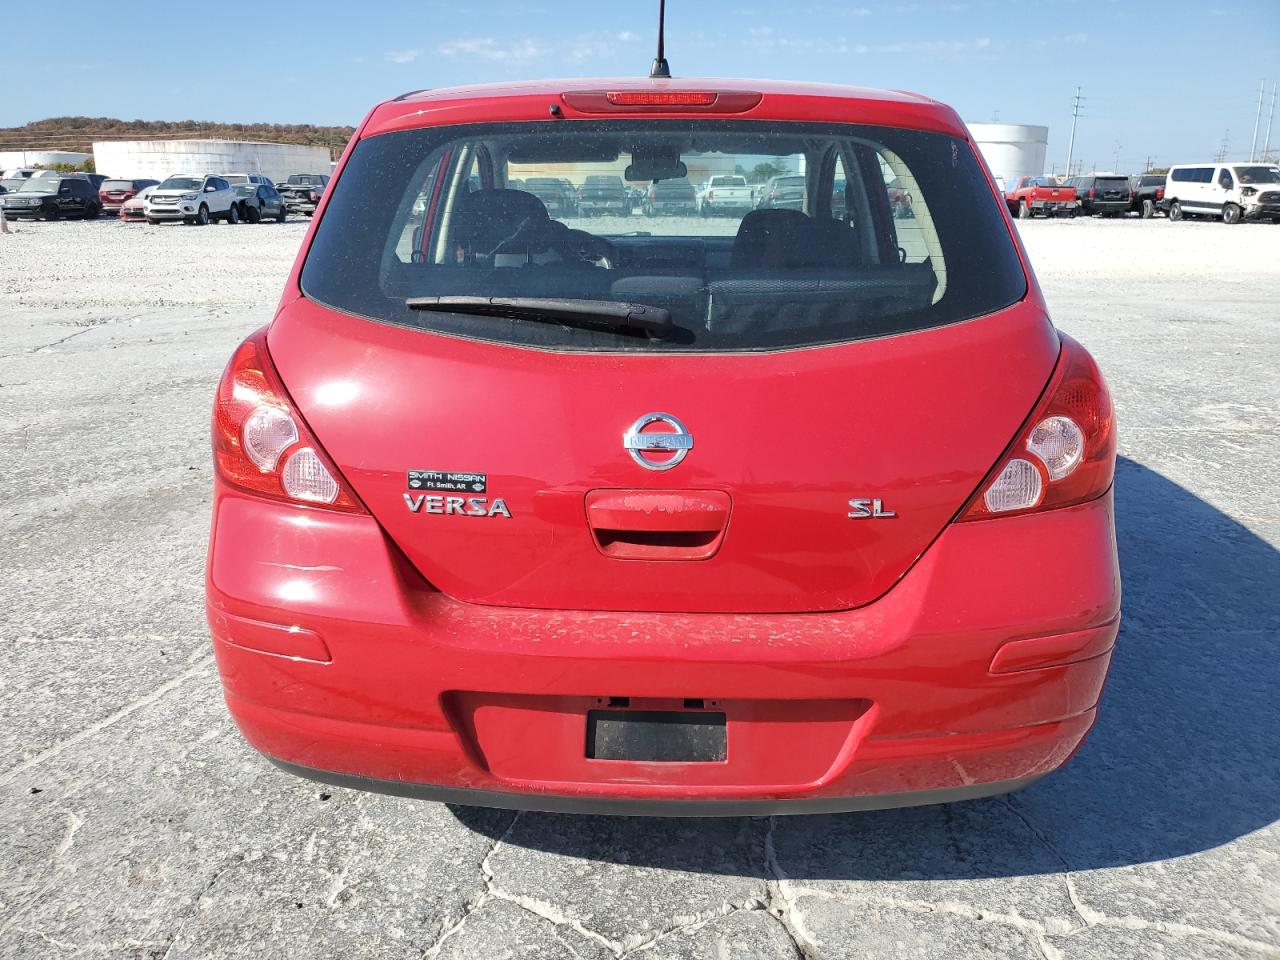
[(660, 67)]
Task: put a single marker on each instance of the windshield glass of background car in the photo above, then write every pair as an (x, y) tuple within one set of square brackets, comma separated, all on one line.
[(1258, 174), (181, 183), (117, 185), (913, 237), (40, 185)]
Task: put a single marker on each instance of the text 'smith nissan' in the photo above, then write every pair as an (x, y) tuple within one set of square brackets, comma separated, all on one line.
[(800, 508)]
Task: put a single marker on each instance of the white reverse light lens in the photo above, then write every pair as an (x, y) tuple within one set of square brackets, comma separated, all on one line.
[(268, 432), (307, 478), (1059, 443), (1018, 487)]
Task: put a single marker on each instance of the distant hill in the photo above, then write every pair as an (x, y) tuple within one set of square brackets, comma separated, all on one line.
[(79, 133)]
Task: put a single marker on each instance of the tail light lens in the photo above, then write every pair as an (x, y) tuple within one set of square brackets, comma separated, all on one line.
[(1065, 454), (1091, 193), (261, 445), (315, 197), (662, 101)]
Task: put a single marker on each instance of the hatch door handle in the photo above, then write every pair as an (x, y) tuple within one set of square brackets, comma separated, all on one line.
[(658, 524)]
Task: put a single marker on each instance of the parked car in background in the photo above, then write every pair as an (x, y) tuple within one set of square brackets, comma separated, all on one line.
[(1028, 196), (1148, 194), (10, 184), (726, 195), (601, 195), (1229, 191), (260, 201), (114, 194), (240, 179), (552, 194), (305, 180), (193, 200), (1102, 194), (671, 198), (52, 198), (301, 198), (782, 193), (134, 210)]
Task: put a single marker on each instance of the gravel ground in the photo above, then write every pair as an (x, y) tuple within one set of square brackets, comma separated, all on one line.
[(134, 821)]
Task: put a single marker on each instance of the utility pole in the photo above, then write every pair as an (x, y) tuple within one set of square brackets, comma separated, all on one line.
[(1148, 164), (1116, 168), (1226, 143), (1257, 120), (1071, 143), (1266, 146)]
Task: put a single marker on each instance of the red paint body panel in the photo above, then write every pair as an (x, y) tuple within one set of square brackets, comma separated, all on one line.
[(850, 658), (405, 655), (922, 422)]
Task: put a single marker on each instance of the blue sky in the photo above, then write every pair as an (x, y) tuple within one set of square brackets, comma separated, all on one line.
[(1163, 79)]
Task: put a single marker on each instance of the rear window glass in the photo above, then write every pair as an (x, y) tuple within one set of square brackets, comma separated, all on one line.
[(852, 232), (117, 185)]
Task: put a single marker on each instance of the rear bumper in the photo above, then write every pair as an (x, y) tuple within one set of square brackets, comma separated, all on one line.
[(623, 807), (980, 671)]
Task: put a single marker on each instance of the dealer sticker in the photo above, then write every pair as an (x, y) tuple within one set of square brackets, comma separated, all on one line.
[(448, 480)]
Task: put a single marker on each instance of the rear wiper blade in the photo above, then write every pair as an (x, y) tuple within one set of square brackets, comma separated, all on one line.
[(654, 321)]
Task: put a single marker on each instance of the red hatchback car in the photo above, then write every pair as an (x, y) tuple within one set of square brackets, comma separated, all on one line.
[(807, 510)]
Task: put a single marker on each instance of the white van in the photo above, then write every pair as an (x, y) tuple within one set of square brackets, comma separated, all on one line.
[(1232, 191)]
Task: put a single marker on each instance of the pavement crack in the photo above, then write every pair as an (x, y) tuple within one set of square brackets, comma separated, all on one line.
[(780, 904), (689, 924), (159, 692), (74, 823), (144, 946), (1081, 909)]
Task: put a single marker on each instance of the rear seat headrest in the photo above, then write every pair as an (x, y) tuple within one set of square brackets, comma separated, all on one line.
[(499, 219)]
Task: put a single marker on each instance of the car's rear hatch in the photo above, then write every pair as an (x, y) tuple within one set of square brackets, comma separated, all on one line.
[(844, 387), (781, 443)]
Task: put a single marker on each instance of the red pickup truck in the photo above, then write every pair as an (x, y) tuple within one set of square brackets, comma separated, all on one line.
[(1028, 196)]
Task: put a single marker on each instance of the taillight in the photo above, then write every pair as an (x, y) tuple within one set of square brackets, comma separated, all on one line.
[(711, 194), (261, 445), (1159, 193), (1066, 454), (1091, 193), (315, 197), (708, 101)]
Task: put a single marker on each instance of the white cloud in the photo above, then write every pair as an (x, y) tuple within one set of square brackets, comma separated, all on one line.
[(487, 48), (403, 56)]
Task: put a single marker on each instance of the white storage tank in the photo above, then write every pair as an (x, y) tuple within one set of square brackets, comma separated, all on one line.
[(1011, 150), (39, 159), (157, 159)]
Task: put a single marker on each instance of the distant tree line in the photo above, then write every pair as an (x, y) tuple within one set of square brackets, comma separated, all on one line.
[(79, 133)]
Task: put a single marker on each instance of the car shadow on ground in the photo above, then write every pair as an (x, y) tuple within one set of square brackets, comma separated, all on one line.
[(1183, 758)]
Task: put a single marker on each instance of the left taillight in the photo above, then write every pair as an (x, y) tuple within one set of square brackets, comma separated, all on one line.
[(1065, 454), (261, 445)]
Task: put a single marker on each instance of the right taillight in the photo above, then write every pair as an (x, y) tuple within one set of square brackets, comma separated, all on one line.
[(1066, 452), (261, 445)]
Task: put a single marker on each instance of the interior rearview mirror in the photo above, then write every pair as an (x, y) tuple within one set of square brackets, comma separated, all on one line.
[(655, 162)]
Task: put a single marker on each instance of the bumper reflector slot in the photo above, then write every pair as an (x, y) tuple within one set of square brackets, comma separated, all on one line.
[(654, 736)]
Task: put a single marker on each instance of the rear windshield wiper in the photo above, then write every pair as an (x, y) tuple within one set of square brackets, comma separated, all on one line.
[(654, 321)]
